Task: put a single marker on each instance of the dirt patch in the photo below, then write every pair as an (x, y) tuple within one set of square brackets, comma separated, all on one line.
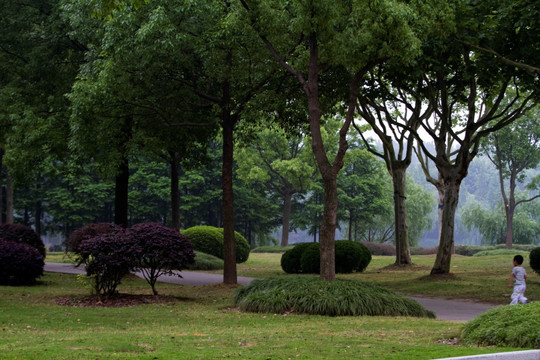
[(119, 300)]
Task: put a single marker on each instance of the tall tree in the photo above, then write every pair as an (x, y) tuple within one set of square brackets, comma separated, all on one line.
[(513, 150), (393, 107), (467, 92), (328, 48)]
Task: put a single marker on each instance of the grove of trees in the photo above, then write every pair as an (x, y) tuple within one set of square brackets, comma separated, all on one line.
[(238, 114)]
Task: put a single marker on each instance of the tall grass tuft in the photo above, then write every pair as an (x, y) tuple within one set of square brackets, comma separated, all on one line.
[(311, 295), (512, 326)]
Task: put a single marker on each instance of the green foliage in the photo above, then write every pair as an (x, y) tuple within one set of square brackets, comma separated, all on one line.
[(512, 326), (205, 261), (306, 295), (501, 252), (310, 261), (534, 260), (290, 260), (209, 239), (305, 258), (206, 239)]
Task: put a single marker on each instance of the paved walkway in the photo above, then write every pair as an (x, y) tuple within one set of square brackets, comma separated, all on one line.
[(450, 310)]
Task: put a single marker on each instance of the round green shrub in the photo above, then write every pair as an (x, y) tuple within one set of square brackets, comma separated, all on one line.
[(20, 264), (290, 260), (209, 240), (534, 260), (308, 295), (242, 246), (305, 258), (351, 256), (310, 261), (505, 326)]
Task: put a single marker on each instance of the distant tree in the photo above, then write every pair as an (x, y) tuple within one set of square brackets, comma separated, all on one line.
[(362, 190), (280, 162), (513, 150)]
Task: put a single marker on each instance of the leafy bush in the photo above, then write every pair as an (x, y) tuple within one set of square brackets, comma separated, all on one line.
[(350, 256), (24, 235), (505, 326), (89, 231), (420, 250), (205, 261), (209, 239), (241, 246), (469, 250), (108, 258), (310, 261), (159, 250), (318, 297), (290, 260), (20, 264), (380, 249), (534, 260)]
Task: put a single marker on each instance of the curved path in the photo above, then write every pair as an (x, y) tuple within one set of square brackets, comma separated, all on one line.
[(450, 310)]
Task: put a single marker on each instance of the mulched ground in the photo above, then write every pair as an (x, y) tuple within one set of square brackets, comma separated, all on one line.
[(118, 300)]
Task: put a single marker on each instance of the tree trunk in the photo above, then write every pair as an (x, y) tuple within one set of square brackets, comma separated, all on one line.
[(175, 193), (229, 256), (38, 213), (328, 229), (446, 240), (121, 194), (403, 253), (510, 208), (287, 203), (9, 199)]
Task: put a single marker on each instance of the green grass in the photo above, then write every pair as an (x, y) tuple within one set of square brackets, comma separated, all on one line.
[(202, 322)]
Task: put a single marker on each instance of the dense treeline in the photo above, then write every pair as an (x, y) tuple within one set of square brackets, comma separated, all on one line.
[(131, 111)]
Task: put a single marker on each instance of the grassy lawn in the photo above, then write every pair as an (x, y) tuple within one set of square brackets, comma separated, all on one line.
[(200, 323)]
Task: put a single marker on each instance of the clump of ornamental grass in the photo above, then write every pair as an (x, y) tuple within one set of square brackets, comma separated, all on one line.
[(310, 295), (505, 326)]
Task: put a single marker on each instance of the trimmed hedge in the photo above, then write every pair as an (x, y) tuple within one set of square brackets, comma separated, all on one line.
[(20, 264), (350, 256), (24, 235), (209, 239)]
